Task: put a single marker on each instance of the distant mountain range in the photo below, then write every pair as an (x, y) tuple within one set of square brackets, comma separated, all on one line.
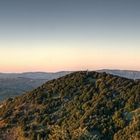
[(34, 75), (48, 75), (79, 106), (13, 84), (123, 73)]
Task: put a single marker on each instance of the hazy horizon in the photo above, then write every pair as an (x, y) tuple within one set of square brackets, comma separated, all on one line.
[(52, 35), (21, 72)]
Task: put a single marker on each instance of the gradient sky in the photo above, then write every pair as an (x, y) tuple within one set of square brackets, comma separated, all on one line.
[(55, 35)]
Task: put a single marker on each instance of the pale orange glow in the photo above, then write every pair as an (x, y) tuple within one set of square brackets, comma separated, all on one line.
[(49, 56)]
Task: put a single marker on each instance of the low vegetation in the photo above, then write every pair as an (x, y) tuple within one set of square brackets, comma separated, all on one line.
[(78, 106)]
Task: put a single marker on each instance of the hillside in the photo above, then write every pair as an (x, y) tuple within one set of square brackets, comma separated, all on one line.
[(78, 106), (14, 84), (12, 87)]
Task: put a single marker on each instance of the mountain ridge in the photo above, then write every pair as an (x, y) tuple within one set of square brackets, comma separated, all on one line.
[(122, 73), (130, 74), (13, 84)]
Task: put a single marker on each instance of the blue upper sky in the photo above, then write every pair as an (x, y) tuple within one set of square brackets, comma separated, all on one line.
[(74, 19), (93, 24)]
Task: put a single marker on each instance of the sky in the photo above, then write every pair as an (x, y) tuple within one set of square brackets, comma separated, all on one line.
[(59, 35)]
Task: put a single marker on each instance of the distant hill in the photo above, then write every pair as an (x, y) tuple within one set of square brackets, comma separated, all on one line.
[(13, 84), (34, 75), (78, 106), (123, 73)]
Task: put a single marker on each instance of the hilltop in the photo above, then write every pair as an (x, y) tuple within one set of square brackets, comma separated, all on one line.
[(78, 106)]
